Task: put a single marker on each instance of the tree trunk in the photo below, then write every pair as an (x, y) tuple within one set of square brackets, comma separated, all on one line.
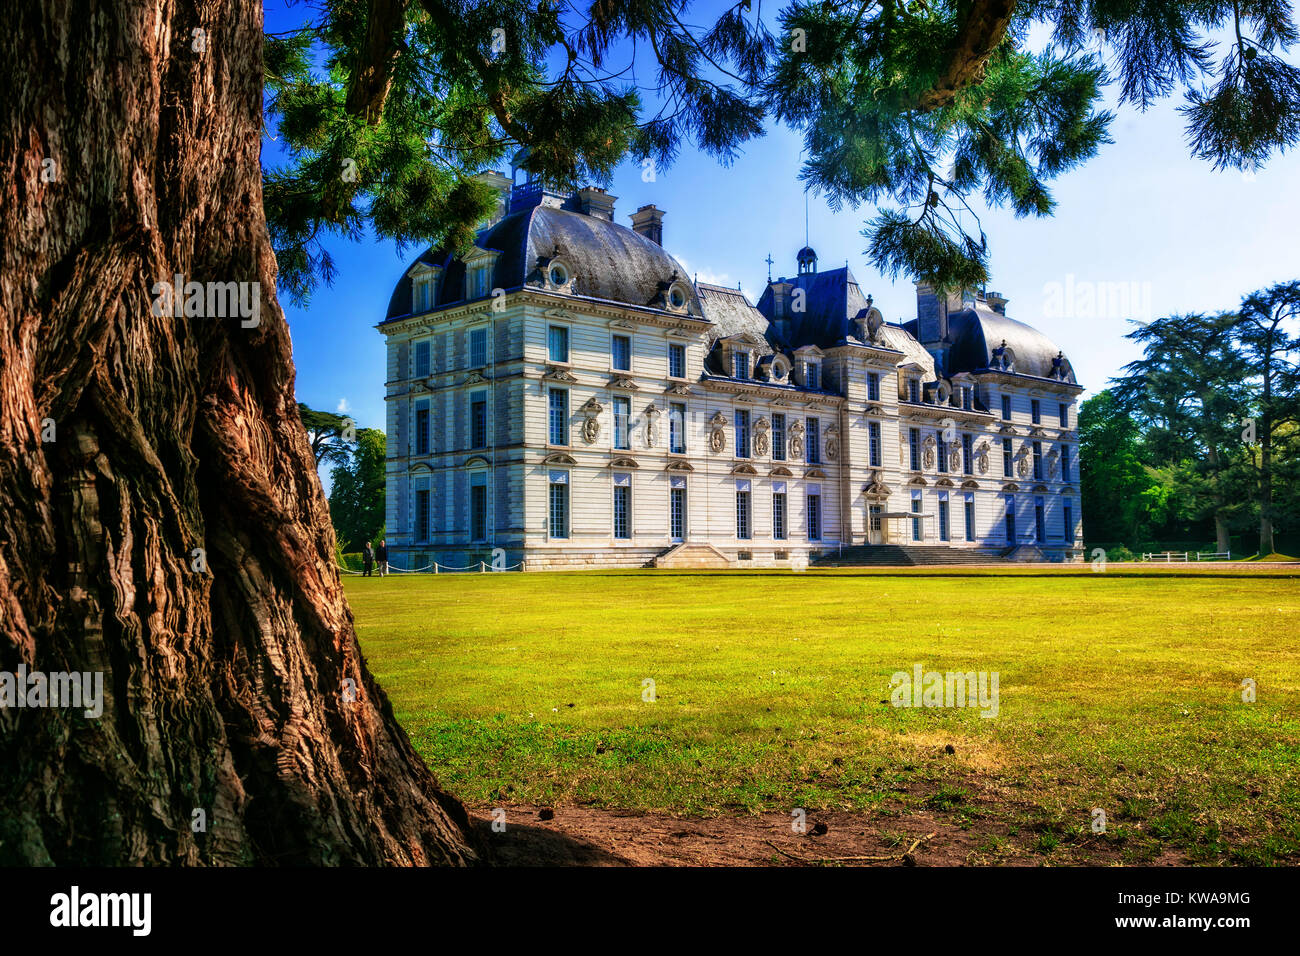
[(240, 724), (1266, 454)]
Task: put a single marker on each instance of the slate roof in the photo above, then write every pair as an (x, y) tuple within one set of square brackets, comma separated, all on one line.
[(731, 313), (608, 261), (975, 333)]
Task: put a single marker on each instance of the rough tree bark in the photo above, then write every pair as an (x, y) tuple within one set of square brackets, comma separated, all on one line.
[(130, 146)]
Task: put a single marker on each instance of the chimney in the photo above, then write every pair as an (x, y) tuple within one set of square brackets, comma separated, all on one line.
[(996, 302), (502, 185), (648, 221), (594, 201)]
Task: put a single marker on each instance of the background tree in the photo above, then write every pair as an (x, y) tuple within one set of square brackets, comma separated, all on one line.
[(328, 433), (1113, 481), (1187, 399), (357, 491), (1269, 342)]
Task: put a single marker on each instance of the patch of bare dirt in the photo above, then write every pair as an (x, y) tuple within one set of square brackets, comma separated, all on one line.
[(588, 836)]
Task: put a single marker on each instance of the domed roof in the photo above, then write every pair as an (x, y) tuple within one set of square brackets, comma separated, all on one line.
[(607, 261), (806, 254), (978, 335)]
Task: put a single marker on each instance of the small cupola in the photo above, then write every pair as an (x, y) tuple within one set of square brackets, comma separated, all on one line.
[(807, 259)]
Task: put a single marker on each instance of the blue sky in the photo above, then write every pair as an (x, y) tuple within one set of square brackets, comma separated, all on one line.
[(1142, 217)]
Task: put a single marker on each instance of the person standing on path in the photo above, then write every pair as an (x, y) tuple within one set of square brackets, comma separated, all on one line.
[(381, 557), (367, 560)]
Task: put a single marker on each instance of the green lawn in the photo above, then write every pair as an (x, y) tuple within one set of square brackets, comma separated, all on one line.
[(1120, 690)]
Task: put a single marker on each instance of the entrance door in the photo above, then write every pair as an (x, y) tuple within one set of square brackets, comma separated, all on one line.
[(875, 533)]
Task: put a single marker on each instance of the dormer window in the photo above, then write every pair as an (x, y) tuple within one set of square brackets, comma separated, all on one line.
[(812, 375), (424, 287), (480, 280), (739, 364), (780, 368), (914, 390), (558, 274), (967, 397), (677, 297)]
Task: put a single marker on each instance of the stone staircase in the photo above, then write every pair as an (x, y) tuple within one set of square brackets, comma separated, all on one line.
[(895, 555), (690, 555)]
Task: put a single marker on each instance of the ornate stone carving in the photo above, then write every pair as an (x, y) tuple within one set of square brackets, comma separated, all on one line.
[(1052, 461), (717, 437), (796, 441), (982, 457), (555, 374), (954, 456), (833, 443), (927, 452), (760, 437), (591, 421), (1022, 461)]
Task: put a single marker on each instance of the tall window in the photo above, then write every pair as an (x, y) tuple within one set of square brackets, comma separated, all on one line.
[(1036, 411), (743, 529), (1065, 462), (916, 521), (422, 294), (478, 420), (914, 390), (559, 416), (478, 508), (813, 375), (477, 348), (873, 443), (1006, 408), (1067, 532), (873, 386), (422, 428), (1063, 414), (557, 338), (677, 508), (941, 450), (943, 518), (623, 506), (967, 455), (742, 433), (914, 447), (1010, 519), (815, 515), (967, 397), (622, 417), (1008, 458), (422, 359), (1038, 461), (970, 517), (620, 353), (677, 428), (778, 511), (422, 515), (559, 504), (814, 448), (1040, 521), (676, 360), (740, 365), (480, 281), (778, 437)]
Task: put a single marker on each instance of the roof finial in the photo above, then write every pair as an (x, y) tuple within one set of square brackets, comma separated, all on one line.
[(768, 260)]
